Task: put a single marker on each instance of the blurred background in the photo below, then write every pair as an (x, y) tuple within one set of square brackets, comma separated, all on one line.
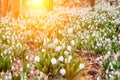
[(14, 7)]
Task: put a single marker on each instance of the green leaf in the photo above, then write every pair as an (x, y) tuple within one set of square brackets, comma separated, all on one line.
[(17, 77)]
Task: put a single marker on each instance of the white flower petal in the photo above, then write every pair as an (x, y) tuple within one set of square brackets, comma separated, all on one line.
[(62, 72), (53, 61)]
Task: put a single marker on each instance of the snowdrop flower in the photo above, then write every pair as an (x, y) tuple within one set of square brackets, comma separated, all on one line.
[(10, 76), (68, 59), (5, 52), (117, 73), (94, 34), (43, 50), (66, 52), (37, 59), (45, 41), (107, 71), (61, 58), (81, 66), (62, 72), (28, 65), (27, 57), (18, 61), (12, 68), (108, 40), (111, 76), (6, 77), (55, 41), (58, 48), (70, 30), (22, 27), (32, 72), (100, 62), (21, 69), (69, 48), (98, 78), (53, 61), (41, 75), (73, 42), (106, 56), (51, 45), (97, 59), (108, 53)]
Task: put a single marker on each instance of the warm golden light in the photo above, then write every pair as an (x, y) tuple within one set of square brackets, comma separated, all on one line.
[(37, 2), (40, 4)]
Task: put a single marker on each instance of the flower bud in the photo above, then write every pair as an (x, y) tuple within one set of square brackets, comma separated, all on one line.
[(62, 72), (53, 61)]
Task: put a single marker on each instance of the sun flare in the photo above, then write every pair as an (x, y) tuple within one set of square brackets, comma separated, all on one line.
[(37, 2)]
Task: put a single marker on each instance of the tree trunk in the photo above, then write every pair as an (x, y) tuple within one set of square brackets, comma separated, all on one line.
[(15, 8), (49, 4), (3, 8), (92, 4)]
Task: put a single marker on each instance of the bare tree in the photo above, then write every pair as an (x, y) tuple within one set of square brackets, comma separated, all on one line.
[(85, 3), (92, 3), (49, 4), (15, 8), (3, 7)]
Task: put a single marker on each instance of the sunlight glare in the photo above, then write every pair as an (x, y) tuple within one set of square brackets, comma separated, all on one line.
[(37, 2)]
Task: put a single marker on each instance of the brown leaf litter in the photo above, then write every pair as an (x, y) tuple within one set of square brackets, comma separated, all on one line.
[(93, 70)]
